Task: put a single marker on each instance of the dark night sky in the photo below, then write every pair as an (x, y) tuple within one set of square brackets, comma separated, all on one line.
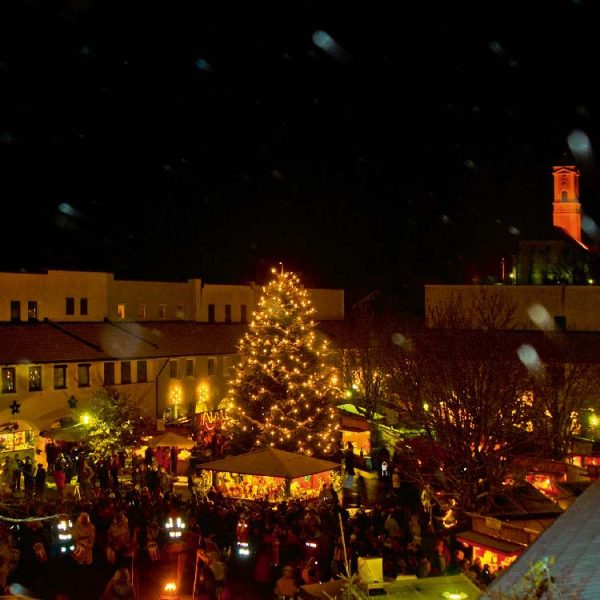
[(214, 139)]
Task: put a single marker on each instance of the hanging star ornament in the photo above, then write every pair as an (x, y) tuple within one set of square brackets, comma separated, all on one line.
[(15, 407), (72, 402)]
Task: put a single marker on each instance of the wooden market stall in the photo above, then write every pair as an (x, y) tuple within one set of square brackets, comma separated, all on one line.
[(271, 473)]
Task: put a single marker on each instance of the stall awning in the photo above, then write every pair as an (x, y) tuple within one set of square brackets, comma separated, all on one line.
[(474, 538), (271, 462)]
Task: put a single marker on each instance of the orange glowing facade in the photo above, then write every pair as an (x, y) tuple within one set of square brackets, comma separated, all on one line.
[(566, 205)]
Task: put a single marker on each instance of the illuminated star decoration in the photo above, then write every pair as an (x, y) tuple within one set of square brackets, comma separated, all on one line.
[(15, 407), (72, 402)]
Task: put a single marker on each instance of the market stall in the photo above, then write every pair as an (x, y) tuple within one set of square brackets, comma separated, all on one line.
[(271, 473), (172, 451)]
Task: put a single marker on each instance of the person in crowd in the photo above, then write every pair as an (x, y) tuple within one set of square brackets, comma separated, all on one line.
[(28, 476), (60, 479), (85, 475), (118, 538), (285, 586), (17, 471), (119, 587), (148, 457), (349, 459), (40, 482), (84, 536), (136, 469)]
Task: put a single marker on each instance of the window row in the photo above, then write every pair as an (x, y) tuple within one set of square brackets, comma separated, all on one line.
[(189, 367), (124, 312), (35, 384), (32, 308), (60, 372)]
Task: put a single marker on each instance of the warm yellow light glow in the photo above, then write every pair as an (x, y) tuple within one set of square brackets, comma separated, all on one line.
[(170, 587), (175, 393), (85, 418)]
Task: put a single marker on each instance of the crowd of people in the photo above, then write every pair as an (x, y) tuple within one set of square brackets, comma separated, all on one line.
[(280, 545)]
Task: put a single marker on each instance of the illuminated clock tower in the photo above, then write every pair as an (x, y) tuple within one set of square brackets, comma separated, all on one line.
[(567, 209)]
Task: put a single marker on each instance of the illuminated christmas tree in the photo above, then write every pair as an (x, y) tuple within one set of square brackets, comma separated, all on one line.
[(284, 392)]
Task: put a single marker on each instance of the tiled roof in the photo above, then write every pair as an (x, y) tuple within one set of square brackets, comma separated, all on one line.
[(50, 342), (573, 540)]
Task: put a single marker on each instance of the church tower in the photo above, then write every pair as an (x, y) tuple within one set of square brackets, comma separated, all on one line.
[(567, 209)]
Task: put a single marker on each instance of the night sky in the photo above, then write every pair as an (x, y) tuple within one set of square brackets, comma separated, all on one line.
[(364, 145)]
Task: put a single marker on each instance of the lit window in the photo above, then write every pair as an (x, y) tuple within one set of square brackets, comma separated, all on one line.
[(142, 312), (173, 368), (142, 371), (60, 377), (83, 375), (83, 306), (8, 380), (109, 373), (120, 311), (32, 310), (162, 311), (180, 314), (70, 306), (211, 366), (125, 372), (35, 379)]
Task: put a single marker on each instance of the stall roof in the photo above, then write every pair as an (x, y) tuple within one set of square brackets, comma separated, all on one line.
[(428, 588), (487, 541), (271, 462), (572, 543)]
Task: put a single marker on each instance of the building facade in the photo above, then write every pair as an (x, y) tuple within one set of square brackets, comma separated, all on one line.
[(170, 345)]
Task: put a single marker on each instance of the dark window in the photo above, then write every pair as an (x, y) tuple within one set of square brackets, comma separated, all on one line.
[(211, 366), (142, 371), (15, 310), (560, 322), (173, 368), (70, 306), (35, 379), (83, 306), (109, 373), (60, 377), (211, 313), (243, 313), (9, 384), (32, 310), (83, 375), (228, 313), (189, 367), (125, 372)]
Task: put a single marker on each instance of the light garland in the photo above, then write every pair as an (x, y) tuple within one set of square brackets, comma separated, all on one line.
[(282, 389)]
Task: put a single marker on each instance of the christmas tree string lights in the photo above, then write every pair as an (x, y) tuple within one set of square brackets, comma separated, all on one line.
[(284, 392)]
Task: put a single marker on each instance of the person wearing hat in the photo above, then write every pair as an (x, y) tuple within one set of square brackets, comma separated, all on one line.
[(84, 535)]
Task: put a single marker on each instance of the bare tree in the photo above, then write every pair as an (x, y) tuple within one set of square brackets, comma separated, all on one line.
[(467, 388), (561, 391)]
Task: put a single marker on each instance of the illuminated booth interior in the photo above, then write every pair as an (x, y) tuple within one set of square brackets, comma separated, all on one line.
[(270, 473)]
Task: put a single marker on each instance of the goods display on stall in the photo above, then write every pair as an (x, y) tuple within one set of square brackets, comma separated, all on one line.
[(271, 474)]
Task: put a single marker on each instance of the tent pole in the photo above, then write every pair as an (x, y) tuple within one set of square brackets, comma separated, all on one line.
[(344, 545)]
